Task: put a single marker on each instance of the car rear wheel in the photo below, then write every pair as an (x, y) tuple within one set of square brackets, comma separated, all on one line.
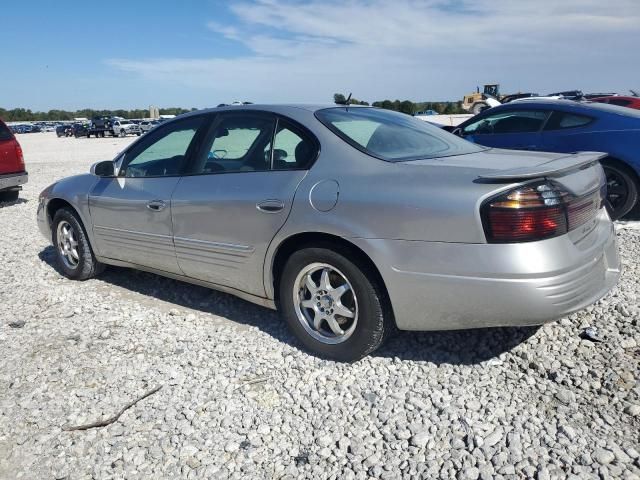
[(75, 256), (332, 305), (622, 190)]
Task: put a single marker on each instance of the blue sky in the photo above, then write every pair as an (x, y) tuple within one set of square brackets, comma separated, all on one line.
[(198, 53)]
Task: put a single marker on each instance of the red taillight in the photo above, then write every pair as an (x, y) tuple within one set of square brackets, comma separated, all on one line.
[(19, 154), (536, 212)]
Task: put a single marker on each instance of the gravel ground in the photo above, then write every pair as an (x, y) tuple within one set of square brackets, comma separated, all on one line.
[(240, 400)]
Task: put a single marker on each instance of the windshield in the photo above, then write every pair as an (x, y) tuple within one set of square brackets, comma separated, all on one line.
[(392, 136), (125, 122)]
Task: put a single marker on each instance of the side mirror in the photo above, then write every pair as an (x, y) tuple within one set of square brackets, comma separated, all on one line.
[(103, 169)]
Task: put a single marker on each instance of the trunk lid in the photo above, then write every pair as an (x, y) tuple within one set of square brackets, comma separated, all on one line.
[(579, 172)]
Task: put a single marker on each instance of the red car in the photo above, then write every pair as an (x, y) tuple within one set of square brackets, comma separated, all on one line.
[(631, 102), (12, 171)]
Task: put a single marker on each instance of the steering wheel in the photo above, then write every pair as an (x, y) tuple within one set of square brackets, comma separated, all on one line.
[(217, 154)]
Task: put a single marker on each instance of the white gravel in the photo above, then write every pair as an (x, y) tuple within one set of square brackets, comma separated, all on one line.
[(239, 400)]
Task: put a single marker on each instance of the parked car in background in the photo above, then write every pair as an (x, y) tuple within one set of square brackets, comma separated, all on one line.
[(122, 128), (63, 130), (79, 130), (566, 126), (147, 125), (352, 220), (12, 169), (621, 101), (425, 113)]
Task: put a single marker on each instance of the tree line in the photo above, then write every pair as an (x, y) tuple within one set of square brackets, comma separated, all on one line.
[(405, 106), (26, 115)]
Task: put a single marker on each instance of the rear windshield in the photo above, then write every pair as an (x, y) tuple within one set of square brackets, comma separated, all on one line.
[(392, 136), (5, 133)]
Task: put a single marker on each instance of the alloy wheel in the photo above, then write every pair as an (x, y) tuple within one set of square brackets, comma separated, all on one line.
[(67, 244), (325, 303)]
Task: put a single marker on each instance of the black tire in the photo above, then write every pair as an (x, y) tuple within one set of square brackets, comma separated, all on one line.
[(88, 266), (374, 319), (622, 189), (9, 196)]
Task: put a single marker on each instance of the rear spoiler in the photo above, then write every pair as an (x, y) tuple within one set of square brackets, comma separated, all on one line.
[(553, 168)]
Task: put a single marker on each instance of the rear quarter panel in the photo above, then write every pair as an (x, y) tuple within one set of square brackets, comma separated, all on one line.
[(617, 141)]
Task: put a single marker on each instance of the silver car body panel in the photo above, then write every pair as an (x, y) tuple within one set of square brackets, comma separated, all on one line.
[(230, 246), (418, 221)]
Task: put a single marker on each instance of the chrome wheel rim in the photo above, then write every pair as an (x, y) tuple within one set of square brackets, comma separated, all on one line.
[(67, 244), (325, 302)]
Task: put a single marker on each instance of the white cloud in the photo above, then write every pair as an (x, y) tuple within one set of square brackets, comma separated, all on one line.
[(430, 49)]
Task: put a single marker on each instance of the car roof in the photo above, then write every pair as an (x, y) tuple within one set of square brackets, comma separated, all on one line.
[(281, 108), (584, 106)]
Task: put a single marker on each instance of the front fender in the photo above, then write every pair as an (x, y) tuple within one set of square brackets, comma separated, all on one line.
[(73, 191)]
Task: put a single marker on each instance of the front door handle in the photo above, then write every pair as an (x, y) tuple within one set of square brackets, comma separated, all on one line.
[(156, 205), (270, 206)]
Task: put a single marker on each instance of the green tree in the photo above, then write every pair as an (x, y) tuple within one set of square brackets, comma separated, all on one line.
[(339, 98), (407, 107)]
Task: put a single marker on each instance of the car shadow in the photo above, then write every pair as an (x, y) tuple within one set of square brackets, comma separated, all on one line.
[(462, 347), (19, 201)]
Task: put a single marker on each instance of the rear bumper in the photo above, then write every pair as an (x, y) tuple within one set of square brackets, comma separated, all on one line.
[(12, 181), (442, 286)]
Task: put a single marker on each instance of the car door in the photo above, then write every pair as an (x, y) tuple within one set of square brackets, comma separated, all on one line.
[(512, 129), (237, 195), (131, 212)]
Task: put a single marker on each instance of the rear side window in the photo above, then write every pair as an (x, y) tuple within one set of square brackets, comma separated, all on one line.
[(511, 121), (5, 133), (563, 120), (239, 142), (292, 148)]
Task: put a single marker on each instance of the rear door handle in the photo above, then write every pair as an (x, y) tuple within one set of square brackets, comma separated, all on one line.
[(270, 206), (156, 205)]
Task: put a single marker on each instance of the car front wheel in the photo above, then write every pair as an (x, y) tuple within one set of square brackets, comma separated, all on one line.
[(74, 254), (332, 305)]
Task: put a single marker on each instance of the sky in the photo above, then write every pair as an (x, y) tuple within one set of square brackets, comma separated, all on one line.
[(72, 54)]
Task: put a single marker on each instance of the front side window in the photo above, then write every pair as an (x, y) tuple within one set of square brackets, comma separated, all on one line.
[(562, 120), (163, 153), (392, 136), (238, 143), (511, 121)]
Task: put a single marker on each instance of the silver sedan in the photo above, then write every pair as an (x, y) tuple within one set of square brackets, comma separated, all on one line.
[(352, 221)]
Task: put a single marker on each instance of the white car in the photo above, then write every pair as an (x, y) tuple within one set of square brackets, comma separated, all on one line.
[(148, 125), (122, 128)]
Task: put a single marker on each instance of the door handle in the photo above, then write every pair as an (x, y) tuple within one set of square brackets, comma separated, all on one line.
[(270, 206), (156, 205)]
